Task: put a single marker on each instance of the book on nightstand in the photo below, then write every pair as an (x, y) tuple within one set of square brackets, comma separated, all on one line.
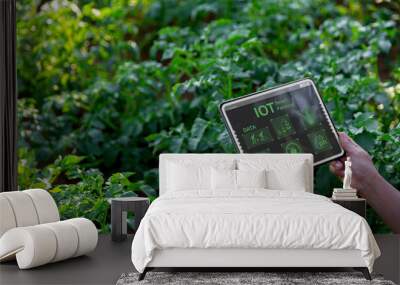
[(344, 194)]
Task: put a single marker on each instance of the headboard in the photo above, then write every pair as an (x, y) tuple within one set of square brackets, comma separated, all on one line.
[(207, 157)]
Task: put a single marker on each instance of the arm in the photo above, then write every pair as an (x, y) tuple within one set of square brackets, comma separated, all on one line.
[(380, 195)]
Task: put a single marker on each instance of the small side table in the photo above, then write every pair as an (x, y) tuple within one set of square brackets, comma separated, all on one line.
[(119, 213), (358, 205)]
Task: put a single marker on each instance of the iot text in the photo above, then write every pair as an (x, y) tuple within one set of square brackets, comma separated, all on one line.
[(264, 109)]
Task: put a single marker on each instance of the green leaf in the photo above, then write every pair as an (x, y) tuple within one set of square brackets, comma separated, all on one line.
[(196, 134), (366, 140), (384, 45), (366, 121)]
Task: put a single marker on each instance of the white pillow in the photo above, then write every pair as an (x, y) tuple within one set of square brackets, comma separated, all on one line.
[(227, 179), (223, 179), (181, 178), (292, 180), (251, 178), (281, 174), (193, 175)]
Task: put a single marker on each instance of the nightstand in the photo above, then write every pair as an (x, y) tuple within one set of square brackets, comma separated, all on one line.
[(358, 205), (119, 213)]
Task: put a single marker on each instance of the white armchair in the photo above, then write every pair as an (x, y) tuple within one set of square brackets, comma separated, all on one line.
[(31, 230)]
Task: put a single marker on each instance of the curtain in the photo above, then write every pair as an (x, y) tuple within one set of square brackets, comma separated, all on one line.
[(8, 97)]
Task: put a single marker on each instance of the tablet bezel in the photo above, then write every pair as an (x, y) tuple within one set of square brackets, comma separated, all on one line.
[(271, 92)]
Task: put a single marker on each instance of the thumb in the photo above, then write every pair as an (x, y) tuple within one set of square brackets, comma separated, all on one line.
[(347, 143)]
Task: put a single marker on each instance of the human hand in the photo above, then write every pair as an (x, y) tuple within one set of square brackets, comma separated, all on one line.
[(362, 167)]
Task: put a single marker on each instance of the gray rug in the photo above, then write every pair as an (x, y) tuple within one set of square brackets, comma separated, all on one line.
[(269, 278)]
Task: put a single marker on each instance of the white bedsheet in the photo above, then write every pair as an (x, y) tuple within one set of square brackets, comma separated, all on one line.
[(250, 219)]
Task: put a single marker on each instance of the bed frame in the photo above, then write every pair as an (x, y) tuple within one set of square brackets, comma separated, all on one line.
[(246, 259)]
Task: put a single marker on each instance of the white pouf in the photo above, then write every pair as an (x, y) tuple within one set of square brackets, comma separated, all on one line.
[(31, 232)]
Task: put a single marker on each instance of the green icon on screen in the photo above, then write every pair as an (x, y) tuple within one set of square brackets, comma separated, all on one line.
[(319, 141), (282, 126), (257, 137), (292, 147), (309, 118)]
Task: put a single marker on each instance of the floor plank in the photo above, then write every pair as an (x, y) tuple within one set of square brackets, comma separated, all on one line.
[(103, 266), (389, 263), (111, 259)]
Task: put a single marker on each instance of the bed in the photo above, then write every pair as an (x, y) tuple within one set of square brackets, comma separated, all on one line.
[(245, 211)]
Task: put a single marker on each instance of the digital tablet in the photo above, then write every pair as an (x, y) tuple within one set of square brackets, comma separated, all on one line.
[(291, 118)]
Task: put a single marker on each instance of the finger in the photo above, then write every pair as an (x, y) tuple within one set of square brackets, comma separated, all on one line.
[(336, 167), (337, 164), (349, 140), (338, 172), (347, 143)]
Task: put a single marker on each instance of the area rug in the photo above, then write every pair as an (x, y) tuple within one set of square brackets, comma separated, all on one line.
[(269, 278)]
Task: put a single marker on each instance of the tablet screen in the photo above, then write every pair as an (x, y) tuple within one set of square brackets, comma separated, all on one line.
[(287, 119)]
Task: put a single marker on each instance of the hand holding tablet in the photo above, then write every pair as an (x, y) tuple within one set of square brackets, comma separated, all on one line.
[(287, 119)]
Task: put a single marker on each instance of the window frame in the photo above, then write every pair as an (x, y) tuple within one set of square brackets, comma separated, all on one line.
[(8, 97)]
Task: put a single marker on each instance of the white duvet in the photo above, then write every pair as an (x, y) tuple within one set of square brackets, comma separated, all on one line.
[(250, 219)]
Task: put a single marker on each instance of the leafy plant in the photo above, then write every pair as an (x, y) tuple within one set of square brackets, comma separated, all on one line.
[(82, 192), (118, 82)]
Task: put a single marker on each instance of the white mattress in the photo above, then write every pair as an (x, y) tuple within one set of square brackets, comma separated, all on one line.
[(253, 219)]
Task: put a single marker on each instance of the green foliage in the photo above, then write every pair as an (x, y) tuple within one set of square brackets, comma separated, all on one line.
[(118, 82), (66, 46), (79, 191)]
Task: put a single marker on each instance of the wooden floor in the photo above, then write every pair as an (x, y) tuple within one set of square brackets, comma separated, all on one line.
[(103, 266), (389, 263), (111, 259)]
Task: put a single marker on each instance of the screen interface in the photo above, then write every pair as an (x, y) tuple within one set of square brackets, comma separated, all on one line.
[(290, 121)]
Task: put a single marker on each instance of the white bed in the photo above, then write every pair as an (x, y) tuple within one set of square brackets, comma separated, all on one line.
[(195, 224)]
